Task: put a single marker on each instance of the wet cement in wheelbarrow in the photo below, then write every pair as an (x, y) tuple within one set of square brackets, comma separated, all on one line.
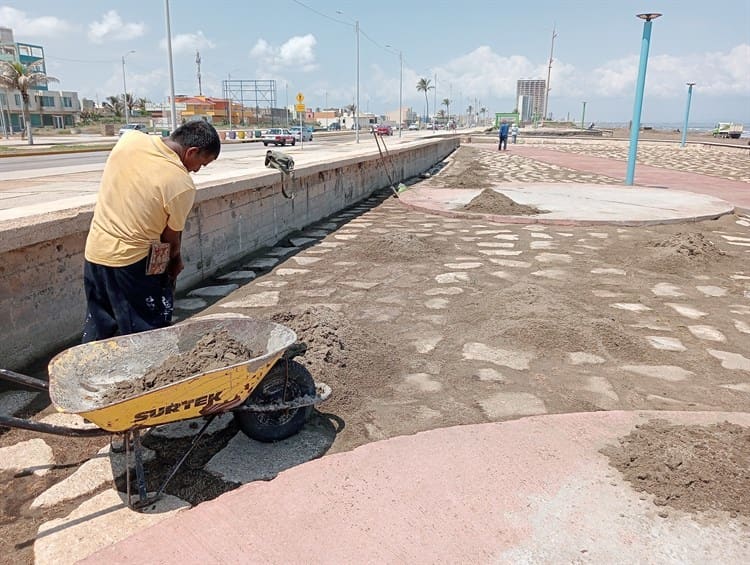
[(215, 350)]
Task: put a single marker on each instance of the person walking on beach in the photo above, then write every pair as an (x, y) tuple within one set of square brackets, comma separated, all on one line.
[(503, 133), (514, 132), (132, 255)]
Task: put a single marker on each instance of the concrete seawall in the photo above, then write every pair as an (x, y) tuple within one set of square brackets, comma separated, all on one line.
[(41, 253)]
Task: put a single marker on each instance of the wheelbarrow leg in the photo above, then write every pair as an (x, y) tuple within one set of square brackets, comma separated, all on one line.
[(140, 474), (177, 465), (143, 498)]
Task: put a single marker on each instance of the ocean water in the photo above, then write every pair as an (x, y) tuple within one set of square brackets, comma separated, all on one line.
[(696, 127)]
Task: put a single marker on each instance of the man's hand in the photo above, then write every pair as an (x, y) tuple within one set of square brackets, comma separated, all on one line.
[(175, 267)]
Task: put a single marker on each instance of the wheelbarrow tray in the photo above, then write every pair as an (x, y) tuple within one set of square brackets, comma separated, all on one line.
[(81, 377)]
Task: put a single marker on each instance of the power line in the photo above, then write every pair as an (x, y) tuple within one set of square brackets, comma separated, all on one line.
[(322, 14)]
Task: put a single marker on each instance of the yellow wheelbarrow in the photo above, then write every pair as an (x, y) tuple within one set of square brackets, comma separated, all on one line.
[(270, 395)]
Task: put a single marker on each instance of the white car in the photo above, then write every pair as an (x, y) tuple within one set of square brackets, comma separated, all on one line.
[(132, 127), (413, 127), (301, 133)]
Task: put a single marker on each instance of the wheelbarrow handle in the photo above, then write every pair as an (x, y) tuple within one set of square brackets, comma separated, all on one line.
[(23, 380), (12, 422)]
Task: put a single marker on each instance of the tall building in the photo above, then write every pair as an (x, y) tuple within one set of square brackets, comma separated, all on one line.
[(530, 96), (52, 108)]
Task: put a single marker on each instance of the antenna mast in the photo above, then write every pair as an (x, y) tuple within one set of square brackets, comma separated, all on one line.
[(549, 70), (198, 63)]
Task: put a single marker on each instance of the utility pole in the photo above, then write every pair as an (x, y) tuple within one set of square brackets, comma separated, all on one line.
[(549, 71), (198, 63), (173, 116)]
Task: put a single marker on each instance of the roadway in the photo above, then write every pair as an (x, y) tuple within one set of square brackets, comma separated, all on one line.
[(29, 182)]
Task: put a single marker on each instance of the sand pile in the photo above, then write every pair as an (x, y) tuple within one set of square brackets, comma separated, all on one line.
[(490, 201), (399, 246), (691, 468), (689, 244)]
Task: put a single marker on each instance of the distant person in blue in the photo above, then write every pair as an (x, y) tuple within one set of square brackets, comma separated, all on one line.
[(503, 132)]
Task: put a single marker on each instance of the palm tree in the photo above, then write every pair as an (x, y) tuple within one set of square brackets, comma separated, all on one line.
[(130, 101), (483, 111), (470, 113), (424, 86), (17, 76), (114, 105), (447, 104), (141, 103)]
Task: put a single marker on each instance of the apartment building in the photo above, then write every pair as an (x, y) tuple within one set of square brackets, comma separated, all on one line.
[(530, 94), (51, 108)]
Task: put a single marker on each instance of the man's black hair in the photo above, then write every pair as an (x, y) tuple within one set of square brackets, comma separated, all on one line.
[(200, 134)]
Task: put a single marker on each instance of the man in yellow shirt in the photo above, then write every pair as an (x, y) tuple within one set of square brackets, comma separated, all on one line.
[(145, 196)]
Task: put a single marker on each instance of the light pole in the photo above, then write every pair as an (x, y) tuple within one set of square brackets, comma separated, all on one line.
[(173, 117), (400, 90), (125, 88), (583, 113), (637, 106), (356, 102), (687, 113)]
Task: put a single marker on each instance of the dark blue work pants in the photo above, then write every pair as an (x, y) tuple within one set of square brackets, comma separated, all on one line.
[(124, 300)]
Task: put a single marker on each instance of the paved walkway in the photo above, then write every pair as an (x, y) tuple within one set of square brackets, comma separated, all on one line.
[(735, 191), (534, 490), (528, 490)]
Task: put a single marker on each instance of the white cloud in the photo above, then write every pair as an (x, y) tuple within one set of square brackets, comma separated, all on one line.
[(111, 26), (716, 73), (188, 42), (26, 28), (296, 53)]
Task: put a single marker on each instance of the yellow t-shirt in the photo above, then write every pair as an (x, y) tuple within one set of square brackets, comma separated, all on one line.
[(145, 187)]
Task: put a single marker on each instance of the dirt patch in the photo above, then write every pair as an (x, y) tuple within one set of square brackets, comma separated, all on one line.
[(693, 245), (691, 468), (214, 350), (464, 170), (490, 201), (398, 246), (352, 360), (680, 252)]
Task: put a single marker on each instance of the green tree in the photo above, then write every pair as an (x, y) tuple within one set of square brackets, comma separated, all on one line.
[(141, 103), (20, 77), (424, 86), (114, 105), (447, 104)]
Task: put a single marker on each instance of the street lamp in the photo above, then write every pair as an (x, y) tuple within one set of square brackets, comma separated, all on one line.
[(356, 109), (173, 117), (637, 106), (583, 113), (400, 90), (687, 113), (125, 88)]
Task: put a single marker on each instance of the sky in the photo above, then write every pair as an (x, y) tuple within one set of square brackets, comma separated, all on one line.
[(473, 53)]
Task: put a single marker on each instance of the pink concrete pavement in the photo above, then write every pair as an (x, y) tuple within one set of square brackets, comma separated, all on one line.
[(733, 191), (533, 490)]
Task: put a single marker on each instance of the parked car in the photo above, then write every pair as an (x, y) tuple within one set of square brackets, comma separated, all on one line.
[(301, 133), (335, 126), (384, 129), (132, 127), (278, 136), (413, 127)]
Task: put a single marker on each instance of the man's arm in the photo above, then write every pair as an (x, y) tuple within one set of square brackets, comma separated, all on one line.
[(174, 238)]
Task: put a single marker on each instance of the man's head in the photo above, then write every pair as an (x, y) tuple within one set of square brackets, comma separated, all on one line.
[(198, 144)]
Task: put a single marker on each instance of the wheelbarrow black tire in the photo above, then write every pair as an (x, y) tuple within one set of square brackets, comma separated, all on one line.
[(275, 426)]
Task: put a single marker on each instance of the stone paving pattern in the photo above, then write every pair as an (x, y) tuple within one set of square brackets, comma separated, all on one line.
[(714, 330)]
